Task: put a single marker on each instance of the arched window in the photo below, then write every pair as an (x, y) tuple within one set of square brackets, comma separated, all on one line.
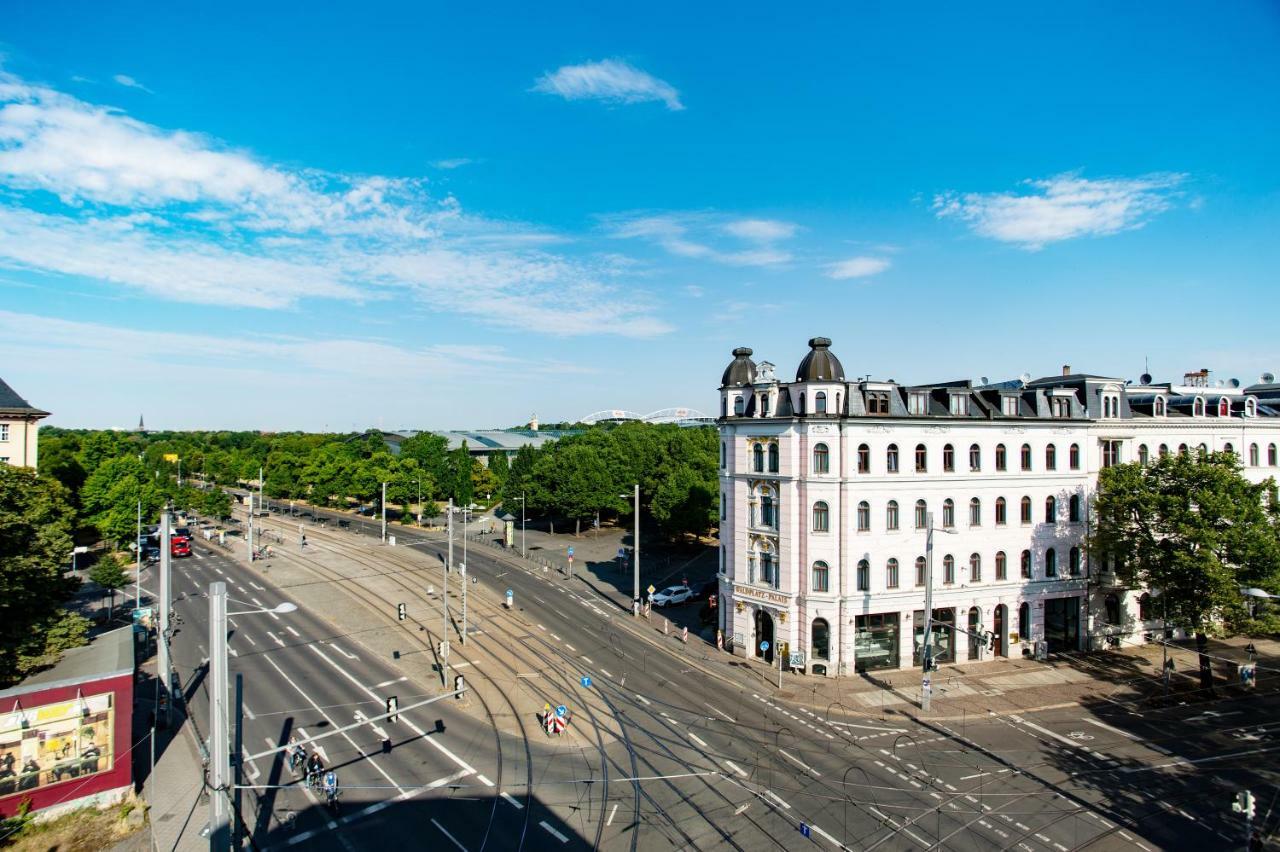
[(864, 516), (1002, 509), (1224, 408), (949, 458), (975, 568), (1051, 563), (1159, 409), (922, 458), (864, 575), (891, 515), (1024, 621), (821, 459), (948, 513), (1144, 607), (820, 402), (975, 512), (975, 458), (1250, 407), (838, 409), (921, 566), (1143, 455), (948, 569), (1074, 457), (1026, 564), (1051, 510), (1202, 450), (1002, 566), (800, 410), (1112, 606), (768, 515), (1050, 457), (821, 517), (1164, 450), (769, 574), (864, 458), (1271, 454), (1002, 458), (1229, 448), (820, 639), (1073, 509), (757, 458), (1025, 507), (1182, 449), (821, 580), (891, 458), (891, 574), (922, 514), (1253, 455), (773, 458), (738, 405), (1197, 408), (1026, 457), (724, 453), (1074, 563)]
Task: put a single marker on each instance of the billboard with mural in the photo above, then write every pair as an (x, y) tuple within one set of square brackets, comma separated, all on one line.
[(55, 743)]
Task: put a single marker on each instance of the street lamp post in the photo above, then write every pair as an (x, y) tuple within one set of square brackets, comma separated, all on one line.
[(926, 654), (219, 716), (524, 551), (635, 555), (163, 664), (137, 579), (384, 513), (418, 482), (444, 634)]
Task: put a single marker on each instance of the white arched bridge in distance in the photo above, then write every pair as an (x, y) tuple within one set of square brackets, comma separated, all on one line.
[(679, 416)]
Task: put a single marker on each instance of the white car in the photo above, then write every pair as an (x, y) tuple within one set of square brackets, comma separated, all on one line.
[(672, 595)]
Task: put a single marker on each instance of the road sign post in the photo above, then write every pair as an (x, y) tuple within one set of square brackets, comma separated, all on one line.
[(585, 681)]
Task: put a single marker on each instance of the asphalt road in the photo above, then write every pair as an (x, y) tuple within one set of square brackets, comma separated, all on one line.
[(671, 751)]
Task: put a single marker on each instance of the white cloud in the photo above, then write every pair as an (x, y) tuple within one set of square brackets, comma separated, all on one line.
[(182, 217), (857, 267), (609, 80), (130, 83), (1062, 208), (453, 163), (675, 234), (760, 230)]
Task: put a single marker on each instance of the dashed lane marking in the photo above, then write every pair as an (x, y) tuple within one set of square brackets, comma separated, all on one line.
[(511, 800), (250, 639), (612, 811), (776, 798), (646, 702), (606, 673), (294, 632), (735, 767), (798, 762), (698, 740), (553, 832), (446, 833), (484, 780)]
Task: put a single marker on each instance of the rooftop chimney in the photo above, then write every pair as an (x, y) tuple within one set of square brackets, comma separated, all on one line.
[(1066, 369)]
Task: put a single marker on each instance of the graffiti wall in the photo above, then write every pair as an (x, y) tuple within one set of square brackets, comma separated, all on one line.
[(50, 744)]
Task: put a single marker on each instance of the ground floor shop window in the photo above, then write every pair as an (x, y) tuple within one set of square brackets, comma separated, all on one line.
[(875, 644), (820, 644), (944, 635)]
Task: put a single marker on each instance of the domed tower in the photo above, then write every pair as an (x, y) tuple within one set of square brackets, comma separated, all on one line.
[(735, 384), (819, 388)]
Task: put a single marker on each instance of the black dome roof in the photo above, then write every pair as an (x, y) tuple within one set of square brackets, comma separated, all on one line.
[(820, 365), (741, 371)]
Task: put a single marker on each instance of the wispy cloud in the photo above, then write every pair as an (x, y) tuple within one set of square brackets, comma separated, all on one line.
[(610, 80), (857, 267), (184, 217), (130, 83), (1062, 207), (693, 236), (453, 163)]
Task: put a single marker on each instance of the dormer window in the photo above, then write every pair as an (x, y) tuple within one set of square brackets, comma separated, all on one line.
[(1224, 407), (1197, 407), (820, 402), (959, 405), (764, 405), (1061, 406), (877, 402), (1009, 406), (1110, 406), (1159, 407), (738, 405), (918, 402), (1250, 407)]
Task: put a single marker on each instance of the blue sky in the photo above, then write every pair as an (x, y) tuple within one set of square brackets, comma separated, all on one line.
[(339, 216)]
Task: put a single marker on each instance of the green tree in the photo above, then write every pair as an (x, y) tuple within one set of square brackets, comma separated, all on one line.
[(1193, 530), (215, 503), (684, 504), (36, 522), (108, 574), (499, 466), (518, 478), (458, 476), (111, 493), (430, 451)]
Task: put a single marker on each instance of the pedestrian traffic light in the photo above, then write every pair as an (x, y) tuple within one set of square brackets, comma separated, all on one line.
[(1245, 804), (393, 704), (402, 612)]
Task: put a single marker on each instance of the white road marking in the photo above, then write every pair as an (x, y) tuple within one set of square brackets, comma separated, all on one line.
[(250, 639), (484, 780), (588, 661), (511, 800), (735, 767), (606, 673), (1114, 730), (570, 647), (294, 632), (815, 773), (246, 591), (256, 586), (774, 796), (827, 837), (643, 700), (721, 713), (697, 739), (342, 652), (247, 711), (448, 835), (869, 727), (557, 638), (1033, 726), (612, 811), (233, 652), (553, 832), (276, 639), (540, 627), (386, 683)]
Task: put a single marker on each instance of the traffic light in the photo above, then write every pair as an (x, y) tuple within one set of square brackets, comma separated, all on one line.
[(991, 641), (1245, 804), (393, 704), (402, 612)]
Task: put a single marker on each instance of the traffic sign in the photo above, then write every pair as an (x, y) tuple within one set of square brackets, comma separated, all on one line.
[(622, 553), (764, 645), (804, 830), (570, 551), (651, 589), (586, 681), (561, 710)]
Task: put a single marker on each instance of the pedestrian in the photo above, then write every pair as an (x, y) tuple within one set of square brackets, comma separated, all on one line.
[(304, 541)]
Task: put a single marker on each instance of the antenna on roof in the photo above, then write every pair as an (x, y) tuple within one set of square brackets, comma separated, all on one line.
[(1145, 378), (1268, 378), (1024, 378), (985, 380), (1235, 383)]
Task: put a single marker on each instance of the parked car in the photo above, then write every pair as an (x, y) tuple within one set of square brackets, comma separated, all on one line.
[(672, 595)]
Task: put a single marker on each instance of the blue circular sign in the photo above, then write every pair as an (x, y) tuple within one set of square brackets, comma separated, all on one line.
[(764, 645), (508, 593), (561, 710), (586, 681), (570, 550)]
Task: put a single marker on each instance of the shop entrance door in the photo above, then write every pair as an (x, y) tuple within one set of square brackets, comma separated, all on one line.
[(1062, 624)]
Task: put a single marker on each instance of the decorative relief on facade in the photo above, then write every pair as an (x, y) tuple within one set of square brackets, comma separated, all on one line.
[(879, 430), (821, 429), (936, 430), (750, 593)]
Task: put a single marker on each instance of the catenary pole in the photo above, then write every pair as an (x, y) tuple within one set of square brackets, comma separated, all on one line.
[(163, 663), (137, 575), (463, 574), (635, 563), (524, 551), (219, 751), (448, 566), (926, 651), (384, 513), (249, 537)]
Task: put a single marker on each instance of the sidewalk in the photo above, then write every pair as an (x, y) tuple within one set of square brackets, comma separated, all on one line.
[(178, 808)]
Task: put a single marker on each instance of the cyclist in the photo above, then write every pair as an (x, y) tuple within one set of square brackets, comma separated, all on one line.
[(297, 754), (315, 766), (331, 788)]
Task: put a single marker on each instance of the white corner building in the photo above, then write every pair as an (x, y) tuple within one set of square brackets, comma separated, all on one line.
[(828, 484)]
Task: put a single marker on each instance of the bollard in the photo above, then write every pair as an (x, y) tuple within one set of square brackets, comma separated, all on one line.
[(666, 627), (719, 639), (684, 636)]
